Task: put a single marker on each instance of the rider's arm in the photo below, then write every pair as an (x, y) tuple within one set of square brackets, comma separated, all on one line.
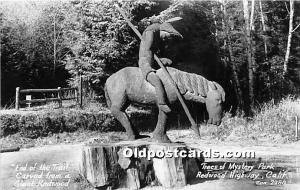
[(147, 41), (166, 61)]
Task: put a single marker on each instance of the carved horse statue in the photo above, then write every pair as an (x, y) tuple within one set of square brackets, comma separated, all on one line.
[(128, 86)]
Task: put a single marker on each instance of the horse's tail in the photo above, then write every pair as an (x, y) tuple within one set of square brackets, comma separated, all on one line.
[(108, 101)]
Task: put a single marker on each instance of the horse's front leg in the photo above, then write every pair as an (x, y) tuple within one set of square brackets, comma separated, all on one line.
[(159, 134)]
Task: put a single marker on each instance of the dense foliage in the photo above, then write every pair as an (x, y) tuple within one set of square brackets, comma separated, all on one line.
[(56, 121), (100, 40), (90, 38), (27, 50)]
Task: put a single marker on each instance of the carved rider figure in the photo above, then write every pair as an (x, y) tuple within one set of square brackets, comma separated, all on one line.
[(153, 39)]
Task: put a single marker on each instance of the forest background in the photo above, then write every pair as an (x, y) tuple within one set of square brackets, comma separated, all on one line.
[(252, 48)]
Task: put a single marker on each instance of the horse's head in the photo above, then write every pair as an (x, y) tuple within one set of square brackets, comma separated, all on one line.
[(213, 103)]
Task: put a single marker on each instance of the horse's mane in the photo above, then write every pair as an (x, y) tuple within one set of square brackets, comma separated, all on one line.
[(193, 84)]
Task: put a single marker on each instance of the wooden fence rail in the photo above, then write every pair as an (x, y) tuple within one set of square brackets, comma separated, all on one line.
[(46, 90), (59, 91)]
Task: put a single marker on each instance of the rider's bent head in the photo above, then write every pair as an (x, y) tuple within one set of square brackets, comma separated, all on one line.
[(167, 31)]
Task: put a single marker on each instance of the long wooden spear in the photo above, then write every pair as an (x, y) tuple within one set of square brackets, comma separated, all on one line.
[(165, 71)]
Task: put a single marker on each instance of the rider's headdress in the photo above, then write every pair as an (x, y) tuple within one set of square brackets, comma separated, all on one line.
[(167, 27)]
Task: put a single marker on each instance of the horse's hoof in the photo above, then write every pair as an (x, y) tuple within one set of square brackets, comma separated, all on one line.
[(131, 137), (161, 139)]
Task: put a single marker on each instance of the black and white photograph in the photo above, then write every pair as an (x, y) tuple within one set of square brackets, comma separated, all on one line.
[(150, 94)]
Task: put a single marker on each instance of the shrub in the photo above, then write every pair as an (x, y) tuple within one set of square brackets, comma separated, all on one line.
[(271, 122), (39, 124)]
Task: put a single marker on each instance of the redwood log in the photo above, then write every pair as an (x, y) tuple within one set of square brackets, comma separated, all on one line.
[(105, 165), (169, 171)]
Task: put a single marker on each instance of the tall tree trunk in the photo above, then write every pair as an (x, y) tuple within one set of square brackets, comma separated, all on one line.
[(215, 21), (288, 47), (252, 29), (216, 34), (54, 45), (228, 44), (249, 53), (264, 30), (252, 15), (223, 20), (222, 48)]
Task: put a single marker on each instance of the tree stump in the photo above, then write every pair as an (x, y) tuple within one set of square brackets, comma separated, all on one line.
[(107, 165)]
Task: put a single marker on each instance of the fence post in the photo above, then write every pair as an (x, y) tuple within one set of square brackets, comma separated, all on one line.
[(296, 117), (59, 96), (17, 98), (76, 95), (80, 92)]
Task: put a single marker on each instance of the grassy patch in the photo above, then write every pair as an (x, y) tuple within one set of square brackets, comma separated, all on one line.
[(274, 123), (41, 123), (271, 124)]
